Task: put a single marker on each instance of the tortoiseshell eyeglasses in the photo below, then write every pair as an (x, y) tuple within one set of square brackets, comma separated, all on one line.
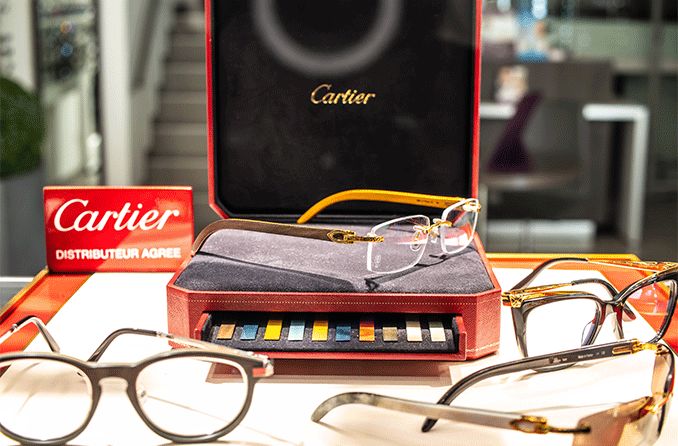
[(392, 246), (567, 315)]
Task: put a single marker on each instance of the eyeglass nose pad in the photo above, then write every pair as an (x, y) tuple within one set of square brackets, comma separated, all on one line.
[(586, 333), (415, 246), (417, 237), (437, 224), (142, 395), (628, 314)]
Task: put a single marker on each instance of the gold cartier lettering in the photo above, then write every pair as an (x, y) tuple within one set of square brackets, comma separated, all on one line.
[(323, 94), (368, 96)]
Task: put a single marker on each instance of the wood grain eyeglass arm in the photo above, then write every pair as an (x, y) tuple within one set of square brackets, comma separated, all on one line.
[(489, 418), (342, 236), (433, 201)]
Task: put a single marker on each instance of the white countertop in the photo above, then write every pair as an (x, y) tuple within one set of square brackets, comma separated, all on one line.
[(281, 406)]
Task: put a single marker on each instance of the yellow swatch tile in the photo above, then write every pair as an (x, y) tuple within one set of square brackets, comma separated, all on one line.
[(273, 329), (320, 328)]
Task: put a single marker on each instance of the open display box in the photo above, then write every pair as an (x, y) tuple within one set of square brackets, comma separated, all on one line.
[(383, 96)]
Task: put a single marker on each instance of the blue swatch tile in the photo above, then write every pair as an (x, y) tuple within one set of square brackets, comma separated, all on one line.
[(249, 332), (343, 332), (296, 332)]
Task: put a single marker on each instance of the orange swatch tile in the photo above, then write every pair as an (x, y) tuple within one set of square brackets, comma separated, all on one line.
[(367, 330)]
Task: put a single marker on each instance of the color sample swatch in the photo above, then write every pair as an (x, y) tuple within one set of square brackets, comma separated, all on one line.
[(320, 329), (249, 332), (390, 333), (273, 329), (413, 329), (437, 331), (226, 331), (296, 332), (342, 332), (366, 330)]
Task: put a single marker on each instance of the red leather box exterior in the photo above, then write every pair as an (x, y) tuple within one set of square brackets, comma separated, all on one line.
[(479, 314)]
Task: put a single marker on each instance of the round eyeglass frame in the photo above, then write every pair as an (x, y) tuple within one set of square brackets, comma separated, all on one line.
[(96, 372)]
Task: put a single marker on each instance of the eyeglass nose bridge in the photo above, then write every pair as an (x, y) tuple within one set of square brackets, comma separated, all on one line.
[(120, 373), (432, 230), (115, 373), (110, 372)]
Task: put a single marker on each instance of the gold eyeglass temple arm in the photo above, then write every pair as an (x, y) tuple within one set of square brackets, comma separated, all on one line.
[(342, 236), (636, 264), (433, 201), (516, 298)]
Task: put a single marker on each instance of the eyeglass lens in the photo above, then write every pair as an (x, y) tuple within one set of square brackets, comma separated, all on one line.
[(652, 301), (561, 325), (29, 389), (642, 426), (459, 235), (662, 384), (403, 246), (192, 396), (569, 323)]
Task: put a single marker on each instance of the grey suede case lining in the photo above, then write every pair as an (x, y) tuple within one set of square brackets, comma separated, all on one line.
[(234, 260)]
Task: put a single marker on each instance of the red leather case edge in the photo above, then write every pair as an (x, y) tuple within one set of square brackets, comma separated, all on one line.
[(479, 312)]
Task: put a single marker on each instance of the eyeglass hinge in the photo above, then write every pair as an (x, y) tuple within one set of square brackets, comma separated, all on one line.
[(634, 347), (515, 298), (539, 425), (472, 207), (531, 425), (655, 406)]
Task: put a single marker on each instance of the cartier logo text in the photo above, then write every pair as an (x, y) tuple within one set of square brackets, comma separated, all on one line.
[(324, 95), (126, 218)]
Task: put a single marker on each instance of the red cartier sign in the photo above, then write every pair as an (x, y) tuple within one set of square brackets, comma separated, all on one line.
[(91, 229)]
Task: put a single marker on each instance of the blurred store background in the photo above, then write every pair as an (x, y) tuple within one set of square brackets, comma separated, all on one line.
[(579, 122)]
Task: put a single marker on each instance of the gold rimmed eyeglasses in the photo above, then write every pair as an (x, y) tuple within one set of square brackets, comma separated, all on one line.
[(571, 314), (392, 246)]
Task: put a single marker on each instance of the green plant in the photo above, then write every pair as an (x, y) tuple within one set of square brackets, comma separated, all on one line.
[(22, 129)]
